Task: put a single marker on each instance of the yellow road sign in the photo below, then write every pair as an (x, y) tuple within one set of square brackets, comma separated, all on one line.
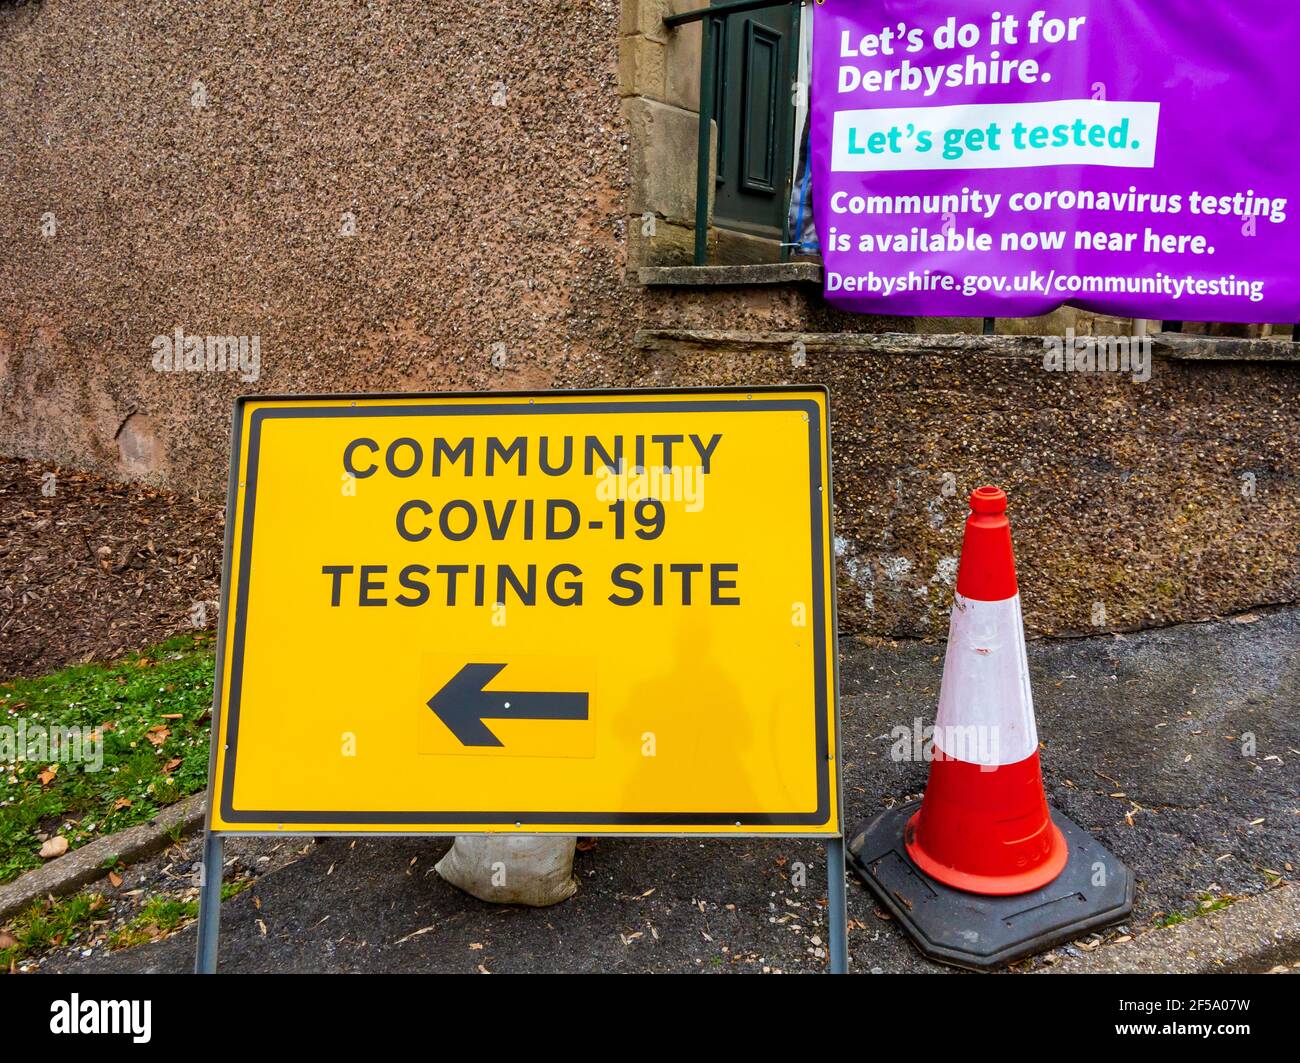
[(568, 612)]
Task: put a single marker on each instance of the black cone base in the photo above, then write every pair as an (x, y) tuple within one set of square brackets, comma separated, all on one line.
[(979, 932)]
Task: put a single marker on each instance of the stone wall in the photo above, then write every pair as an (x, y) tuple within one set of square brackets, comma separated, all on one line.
[(1131, 504), (386, 196), (404, 196)]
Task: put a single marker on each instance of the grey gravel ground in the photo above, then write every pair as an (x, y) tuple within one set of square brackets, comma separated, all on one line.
[(1143, 745)]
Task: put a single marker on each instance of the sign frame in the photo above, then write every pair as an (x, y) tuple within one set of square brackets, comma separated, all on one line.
[(210, 877)]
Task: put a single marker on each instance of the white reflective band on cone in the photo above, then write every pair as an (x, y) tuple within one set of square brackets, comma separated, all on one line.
[(986, 712)]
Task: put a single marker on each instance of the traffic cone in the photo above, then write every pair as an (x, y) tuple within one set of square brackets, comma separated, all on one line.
[(984, 825), (983, 872)]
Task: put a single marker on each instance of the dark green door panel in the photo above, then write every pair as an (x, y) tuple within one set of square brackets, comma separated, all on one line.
[(759, 98), (756, 59)]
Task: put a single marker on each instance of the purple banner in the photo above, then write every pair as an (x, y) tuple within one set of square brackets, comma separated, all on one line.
[(1130, 157)]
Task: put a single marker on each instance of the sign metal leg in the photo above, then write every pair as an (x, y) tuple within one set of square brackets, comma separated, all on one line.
[(205, 962), (837, 913)]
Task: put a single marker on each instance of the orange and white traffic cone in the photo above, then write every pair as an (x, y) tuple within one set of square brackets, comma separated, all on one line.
[(984, 825), (983, 872)]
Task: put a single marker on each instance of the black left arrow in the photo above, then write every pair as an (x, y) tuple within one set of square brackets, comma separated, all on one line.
[(463, 705)]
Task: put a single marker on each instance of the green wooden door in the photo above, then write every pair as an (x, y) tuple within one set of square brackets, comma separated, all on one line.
[(756, 57)]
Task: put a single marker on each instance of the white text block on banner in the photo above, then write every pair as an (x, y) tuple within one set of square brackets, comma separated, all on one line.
[(997, 136)]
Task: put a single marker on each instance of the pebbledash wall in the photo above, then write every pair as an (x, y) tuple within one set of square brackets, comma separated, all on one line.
[(408, 196)]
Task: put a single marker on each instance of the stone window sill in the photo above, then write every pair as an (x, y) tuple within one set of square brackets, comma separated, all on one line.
[(764, 273), (1171, 345)]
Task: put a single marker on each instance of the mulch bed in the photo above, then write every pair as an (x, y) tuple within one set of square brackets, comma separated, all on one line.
[(90, 569)]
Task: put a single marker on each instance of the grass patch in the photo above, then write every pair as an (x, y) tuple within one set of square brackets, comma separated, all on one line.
[(151, 710), (53, 923), (162, 915), (1208, 903), (48, 924)]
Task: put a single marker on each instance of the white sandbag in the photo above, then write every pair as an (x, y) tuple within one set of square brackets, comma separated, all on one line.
[(512, 868)]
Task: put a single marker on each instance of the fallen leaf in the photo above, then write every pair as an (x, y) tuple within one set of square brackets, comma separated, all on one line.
[(413, 934), (7, 940), (115, 879), (158, 735), (47, 776), (56, 846), (171, 765), (173, 716), (121, 803)]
